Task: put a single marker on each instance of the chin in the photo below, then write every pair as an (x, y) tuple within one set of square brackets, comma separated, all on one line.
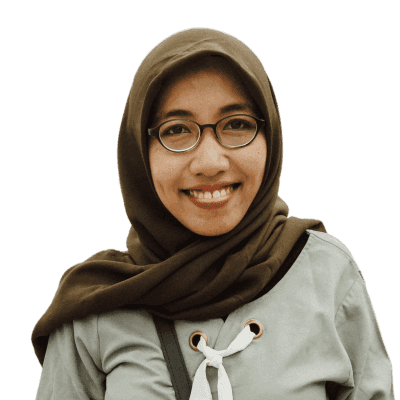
[(217, 230)]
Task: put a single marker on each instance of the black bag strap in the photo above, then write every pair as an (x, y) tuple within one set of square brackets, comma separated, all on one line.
[(173, 356)]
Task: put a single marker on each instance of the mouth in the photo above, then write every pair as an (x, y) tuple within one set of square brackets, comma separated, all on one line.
[(211, 196)]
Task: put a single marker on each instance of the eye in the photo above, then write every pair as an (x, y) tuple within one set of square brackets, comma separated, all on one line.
[(238, 124), (174, 130)]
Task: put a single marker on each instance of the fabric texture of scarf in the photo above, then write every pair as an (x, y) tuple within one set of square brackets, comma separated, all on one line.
[(168, 270)]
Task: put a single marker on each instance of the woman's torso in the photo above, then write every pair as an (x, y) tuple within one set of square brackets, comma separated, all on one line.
[(303, 350)]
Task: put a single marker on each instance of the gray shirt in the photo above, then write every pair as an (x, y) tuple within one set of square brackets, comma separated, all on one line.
[(320, 331)]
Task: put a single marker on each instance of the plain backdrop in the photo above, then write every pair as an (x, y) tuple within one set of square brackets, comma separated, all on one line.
[(66, 71)]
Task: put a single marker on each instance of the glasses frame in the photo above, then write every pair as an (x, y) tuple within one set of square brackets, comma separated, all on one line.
[(260, 123)]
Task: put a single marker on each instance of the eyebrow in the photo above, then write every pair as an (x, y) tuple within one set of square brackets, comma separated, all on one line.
[(223, 110)]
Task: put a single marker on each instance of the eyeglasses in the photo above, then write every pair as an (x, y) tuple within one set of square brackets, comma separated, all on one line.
[(179, 135)]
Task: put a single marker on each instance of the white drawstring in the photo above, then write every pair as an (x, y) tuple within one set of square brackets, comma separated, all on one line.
[(201, 388)]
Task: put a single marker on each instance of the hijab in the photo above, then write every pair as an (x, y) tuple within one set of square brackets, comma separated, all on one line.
[(169, 270)]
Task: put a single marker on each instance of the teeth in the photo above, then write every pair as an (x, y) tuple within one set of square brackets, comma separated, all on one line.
[(208, 195), (216, 194)]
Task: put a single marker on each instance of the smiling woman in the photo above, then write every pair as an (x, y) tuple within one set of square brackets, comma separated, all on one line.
[(210, 186), (274, 303)]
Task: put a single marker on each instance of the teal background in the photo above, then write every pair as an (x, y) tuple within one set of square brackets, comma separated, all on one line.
[(65, 75)]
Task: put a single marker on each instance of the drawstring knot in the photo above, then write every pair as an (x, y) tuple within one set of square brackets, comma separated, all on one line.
[(201, 388), (213, 358)]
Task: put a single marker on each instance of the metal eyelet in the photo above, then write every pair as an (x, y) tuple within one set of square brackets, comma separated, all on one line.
[(192, 336), (257, 328)]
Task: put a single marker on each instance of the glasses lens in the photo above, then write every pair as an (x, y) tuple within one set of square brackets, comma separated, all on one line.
[(179, 134), (237, 130)]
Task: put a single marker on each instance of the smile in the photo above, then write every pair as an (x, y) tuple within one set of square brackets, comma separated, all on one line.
[(211, 198)]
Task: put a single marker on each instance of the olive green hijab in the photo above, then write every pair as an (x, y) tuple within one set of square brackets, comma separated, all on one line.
[(169, 270)]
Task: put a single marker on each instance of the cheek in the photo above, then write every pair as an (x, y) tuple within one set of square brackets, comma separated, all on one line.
[(155, 165), (156, 170), (256, 160), (262, 159), (164, 169)]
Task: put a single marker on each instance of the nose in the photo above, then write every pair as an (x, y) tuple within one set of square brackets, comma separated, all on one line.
[(209, 156)]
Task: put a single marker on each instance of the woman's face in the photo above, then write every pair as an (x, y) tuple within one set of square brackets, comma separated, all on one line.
[(210, 169)]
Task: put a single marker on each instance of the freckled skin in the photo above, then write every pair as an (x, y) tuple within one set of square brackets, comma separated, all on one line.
[(203, 93)]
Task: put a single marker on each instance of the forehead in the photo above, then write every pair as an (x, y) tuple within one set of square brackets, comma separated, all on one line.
[(205, 85), (208, 81)]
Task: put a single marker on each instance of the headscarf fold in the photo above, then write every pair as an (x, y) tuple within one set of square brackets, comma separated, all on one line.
[(168, 270)]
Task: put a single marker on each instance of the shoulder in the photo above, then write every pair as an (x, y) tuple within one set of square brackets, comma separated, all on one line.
[(330, 251), (330, 241), (126, 321), (82, 332), (331, 266)]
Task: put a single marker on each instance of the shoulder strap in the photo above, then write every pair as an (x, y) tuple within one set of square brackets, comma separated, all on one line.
[(174, 358)]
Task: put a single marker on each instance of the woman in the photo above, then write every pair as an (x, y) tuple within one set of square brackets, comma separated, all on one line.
[(264, 306)]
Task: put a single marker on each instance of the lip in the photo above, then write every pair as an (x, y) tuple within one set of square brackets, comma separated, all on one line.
[(208, 205)]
